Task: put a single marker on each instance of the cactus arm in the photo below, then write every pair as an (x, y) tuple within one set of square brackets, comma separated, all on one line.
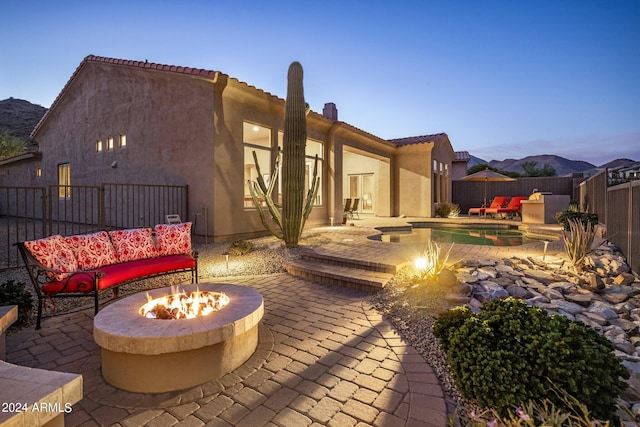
[(256, 195)]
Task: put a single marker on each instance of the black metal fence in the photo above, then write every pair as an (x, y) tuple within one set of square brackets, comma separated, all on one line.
[(28, 213)]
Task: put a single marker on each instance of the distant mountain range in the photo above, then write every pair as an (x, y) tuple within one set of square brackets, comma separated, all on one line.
[(560, 164), (18, 117)]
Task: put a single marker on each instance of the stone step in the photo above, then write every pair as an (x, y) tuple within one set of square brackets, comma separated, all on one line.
[(337, 275), (338, 260)]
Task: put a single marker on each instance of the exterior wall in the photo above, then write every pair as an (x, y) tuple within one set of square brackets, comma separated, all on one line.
[(166, 117), (414, 168)]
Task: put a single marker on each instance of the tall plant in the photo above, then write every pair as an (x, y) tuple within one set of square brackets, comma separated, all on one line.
[(289, 224)]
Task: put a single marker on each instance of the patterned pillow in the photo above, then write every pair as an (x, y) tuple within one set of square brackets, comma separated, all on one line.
[(54, 252), (93, 250), (173, 239), (133, 244)]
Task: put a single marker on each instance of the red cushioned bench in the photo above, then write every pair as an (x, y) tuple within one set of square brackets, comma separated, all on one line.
[(87, 265)]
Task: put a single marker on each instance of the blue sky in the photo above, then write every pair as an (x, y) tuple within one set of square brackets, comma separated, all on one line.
[(504, 79)]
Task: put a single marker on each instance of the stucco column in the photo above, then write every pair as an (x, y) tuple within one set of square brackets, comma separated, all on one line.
[(334, 179)]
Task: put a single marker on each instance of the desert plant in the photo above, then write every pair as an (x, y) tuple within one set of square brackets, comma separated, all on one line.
[(289, 224), (432, 261), (448, 322), (447, 210), (511, 353), (577, 242), (14, 293), (240, 247)]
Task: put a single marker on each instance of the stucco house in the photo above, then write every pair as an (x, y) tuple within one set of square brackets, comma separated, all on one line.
[(146, 123)]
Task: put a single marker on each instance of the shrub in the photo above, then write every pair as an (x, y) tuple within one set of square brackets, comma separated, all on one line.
[(240, 247), (588, 220), (432, 262), (12, 293), (447, 210), (510, 353), (577, 242), (448, 322)]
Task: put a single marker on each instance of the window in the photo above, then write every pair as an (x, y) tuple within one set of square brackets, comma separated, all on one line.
[(98, 146), (39, 172), (256, 138), (122, 141), (64, 181), (312, 148), (109, 143)]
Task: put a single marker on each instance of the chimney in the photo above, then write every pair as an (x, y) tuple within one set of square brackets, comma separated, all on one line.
[(330, 111)]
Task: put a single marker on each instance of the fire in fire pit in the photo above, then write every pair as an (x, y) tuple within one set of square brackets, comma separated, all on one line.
[(182, 305)]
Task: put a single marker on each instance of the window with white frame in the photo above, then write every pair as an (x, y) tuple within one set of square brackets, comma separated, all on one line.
[(122, 140), (109, 143), (64, 181), (256, 139), (312, 148), (98, 146)]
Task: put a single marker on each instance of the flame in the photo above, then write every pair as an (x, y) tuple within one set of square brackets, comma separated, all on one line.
[(182, 305)]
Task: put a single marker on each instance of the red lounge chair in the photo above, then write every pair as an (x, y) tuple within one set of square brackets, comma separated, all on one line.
[(497, 202), (513, 208)]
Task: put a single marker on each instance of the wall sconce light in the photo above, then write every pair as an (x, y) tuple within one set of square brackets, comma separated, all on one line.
[(114, 164)]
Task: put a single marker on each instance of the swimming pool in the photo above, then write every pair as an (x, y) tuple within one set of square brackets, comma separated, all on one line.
[(466, 234)]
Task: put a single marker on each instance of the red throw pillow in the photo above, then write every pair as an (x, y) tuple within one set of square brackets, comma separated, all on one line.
[(133, 244), (173, 239), (54, 252), (93, 250)]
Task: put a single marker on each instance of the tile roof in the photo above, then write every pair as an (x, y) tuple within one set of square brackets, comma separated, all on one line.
[(462, 156), (422, 139)]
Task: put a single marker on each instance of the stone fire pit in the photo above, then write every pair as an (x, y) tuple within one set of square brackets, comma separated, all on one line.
[(154, 355)]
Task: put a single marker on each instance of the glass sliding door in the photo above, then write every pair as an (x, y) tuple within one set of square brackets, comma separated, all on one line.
[(362, 187)]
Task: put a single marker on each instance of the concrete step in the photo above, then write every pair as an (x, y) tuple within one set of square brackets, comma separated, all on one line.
[(338, 260), (338, 275)]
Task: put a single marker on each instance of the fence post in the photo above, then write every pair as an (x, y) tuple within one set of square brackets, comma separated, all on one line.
[(101, 208)]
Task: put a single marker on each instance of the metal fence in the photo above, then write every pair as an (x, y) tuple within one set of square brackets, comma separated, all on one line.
[(618, 207), (28, 213)]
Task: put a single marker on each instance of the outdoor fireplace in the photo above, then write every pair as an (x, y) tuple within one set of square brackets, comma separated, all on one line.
[(151, 355)]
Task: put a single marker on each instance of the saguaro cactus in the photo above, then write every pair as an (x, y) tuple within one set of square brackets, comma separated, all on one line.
[(295, 210)]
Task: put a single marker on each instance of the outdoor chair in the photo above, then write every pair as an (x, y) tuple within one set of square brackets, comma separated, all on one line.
[(498, 202), (347, 210), (512, 209), (354, 209)]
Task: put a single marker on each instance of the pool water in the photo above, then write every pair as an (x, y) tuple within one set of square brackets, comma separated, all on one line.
[(466, 235)]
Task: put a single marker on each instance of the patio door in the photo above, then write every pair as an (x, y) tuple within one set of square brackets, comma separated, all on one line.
[(362, 186)]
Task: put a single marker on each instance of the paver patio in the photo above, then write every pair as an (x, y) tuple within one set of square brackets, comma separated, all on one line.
[(325, 357)]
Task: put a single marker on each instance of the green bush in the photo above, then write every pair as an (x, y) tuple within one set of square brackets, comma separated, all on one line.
[(240, 247), (12, 293), (450, 321), (585, 218), (510, 353)]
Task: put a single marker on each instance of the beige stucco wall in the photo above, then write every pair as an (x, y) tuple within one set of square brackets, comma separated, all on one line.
[(414, 178)]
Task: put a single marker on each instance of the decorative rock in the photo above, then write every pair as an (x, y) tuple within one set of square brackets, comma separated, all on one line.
[(564, 286), (519, 292), (552, 294), (594, 281), (567, 306), (582, 299), (603, 309), (624, 279), (595, 318), (487, 272)]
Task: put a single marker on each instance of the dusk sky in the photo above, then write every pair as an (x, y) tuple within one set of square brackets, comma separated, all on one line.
[(504, 79)]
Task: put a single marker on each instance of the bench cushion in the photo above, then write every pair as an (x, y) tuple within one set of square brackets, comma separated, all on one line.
[(54, 252), (173, 239), (121, 272), (92, 250), (133, 244)]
